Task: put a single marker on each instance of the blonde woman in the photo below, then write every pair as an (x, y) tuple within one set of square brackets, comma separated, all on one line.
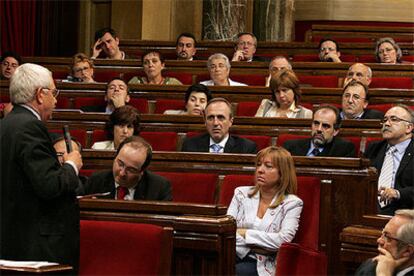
[(267, 214)]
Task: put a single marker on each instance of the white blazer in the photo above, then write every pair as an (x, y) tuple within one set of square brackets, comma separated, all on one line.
[(231, 83), (104, 145), (278, 225)]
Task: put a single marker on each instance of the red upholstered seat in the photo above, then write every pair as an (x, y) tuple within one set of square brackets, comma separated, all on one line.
[(381, 107), (260, 140), (129, 75), (99, 135), (161, 141), (293, 259), (282, 138), (319, 81), (63, 102), (357, 143), (370, 140), (185, 78), (88, 101), (123, 248), (104, 76), (140, 104), (230, 183), (367, 59), (4, 98), (86, 172), (392, 82), (202, 77), (306, 58), (60, 75), (247, 108), (192, 187), (250, 79), (408, 58), (164, 104), (78, 134)]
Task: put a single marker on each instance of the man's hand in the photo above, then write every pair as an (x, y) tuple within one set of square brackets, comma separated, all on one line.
[(332, 57), (97, 48), (238, 56), (75, 157), (386, 264), (117, 100), (387, 194)]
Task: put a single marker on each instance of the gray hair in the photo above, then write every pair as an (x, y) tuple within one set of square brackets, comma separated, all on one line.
[(26, 80), (411, 114), (406, 232), (390, 41), (218, 56), (366, 66), (280, 57)]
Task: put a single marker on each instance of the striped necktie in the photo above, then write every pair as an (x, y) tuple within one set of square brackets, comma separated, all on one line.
[(216, 148), (385, 178)]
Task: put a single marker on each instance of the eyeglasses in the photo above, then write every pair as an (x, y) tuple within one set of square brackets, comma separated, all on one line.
[(12, 65), (80, 69), (356, 97), (394, 120), (128, 170), (55, 92), (330, 49), (388, 238), (245, 43)]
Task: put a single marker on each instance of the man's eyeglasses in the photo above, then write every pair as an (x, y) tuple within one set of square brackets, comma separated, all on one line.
[(80, 69), (12, 65), (330, 49), (394, 120), (388, 238), (55, 92)]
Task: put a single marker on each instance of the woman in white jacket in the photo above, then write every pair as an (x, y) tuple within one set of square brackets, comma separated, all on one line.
[(267, 214)]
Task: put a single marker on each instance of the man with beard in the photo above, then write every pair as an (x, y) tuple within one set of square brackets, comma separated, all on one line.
[(325, 127), (117, 95), (185, 47), (129, 178), (393, 158)]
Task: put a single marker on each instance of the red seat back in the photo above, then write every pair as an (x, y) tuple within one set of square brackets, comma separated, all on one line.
[(392, 82), (164, 104), (140, 104), (247, 108), (319, 81), (282, 138), (230, 183), (104, 76), (88, 101), (292, 259), (356, 141), (380, 107), (99, 135), (185, 78), (260, 140), (192, 187), (251, 79), (161, 141), (78, 134), (123, 248)]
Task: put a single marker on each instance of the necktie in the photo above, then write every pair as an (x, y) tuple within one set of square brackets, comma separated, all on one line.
[(387, 168), (315, 152), (121, 192), (216, 148)]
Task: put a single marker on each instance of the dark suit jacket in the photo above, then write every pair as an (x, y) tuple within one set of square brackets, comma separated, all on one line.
[(150, 186), (368, 268), (234, 144), (39, 209), (404, 178), (94, 108), (372, 114), (336, 148), (259, 58)]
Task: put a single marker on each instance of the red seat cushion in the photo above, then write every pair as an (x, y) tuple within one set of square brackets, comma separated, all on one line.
[(260, 140), (251, 79), (392, 82), (164, 104), (104, 76), (161, 141), (380, 107), (247, 108), (120, 248), (319, 81), (192, 187)]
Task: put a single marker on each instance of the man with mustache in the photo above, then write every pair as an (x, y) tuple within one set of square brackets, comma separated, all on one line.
[(185, 47), (324, 141), (393, 158), (117, 95), (218, 117), (355, 102)]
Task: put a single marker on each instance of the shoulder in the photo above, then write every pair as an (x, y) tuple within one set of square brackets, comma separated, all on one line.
[(174, 112), (243, 191), (293, 200), (97, 176), (305, 112), (104, 145), (295, 142), (372, 114), (136, 80), (235, 83), (243, 141), (207, 82), (374, 148), (173, 81)]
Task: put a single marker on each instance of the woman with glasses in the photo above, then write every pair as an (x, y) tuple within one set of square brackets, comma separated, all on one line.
[(286, 95), (267, 214), (388, 51), (81, 69)]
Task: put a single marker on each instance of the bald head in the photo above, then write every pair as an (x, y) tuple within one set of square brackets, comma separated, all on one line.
[(359, 72)]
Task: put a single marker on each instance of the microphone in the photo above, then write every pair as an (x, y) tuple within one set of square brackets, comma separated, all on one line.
[(68, 139)]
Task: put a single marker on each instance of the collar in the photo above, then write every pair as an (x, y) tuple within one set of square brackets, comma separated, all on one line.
[(31, 109), (222, 142), (342, 114), (293, 107), (405, 271), (402, 146), (130, 190)]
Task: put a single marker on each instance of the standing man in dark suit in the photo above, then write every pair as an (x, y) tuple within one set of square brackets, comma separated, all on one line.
[(395, 246), (218, 117), (393, 158), (129, 178), (355, 100), (325, 127), (39, 209), (117, 95), (245, 48)]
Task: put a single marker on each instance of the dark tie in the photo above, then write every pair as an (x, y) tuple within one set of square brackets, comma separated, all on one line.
[(216, 148), (315, 152), (121, 192)]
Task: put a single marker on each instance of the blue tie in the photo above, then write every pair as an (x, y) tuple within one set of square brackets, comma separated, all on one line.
[(315, 152), (216, 148)]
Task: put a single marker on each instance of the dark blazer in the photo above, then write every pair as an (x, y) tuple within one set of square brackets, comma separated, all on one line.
[(150, 186), (259, 58), (337, 148), (368, 268), (234, 144), (372, 114), (94, 108), (39, 209), (404, 178)]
